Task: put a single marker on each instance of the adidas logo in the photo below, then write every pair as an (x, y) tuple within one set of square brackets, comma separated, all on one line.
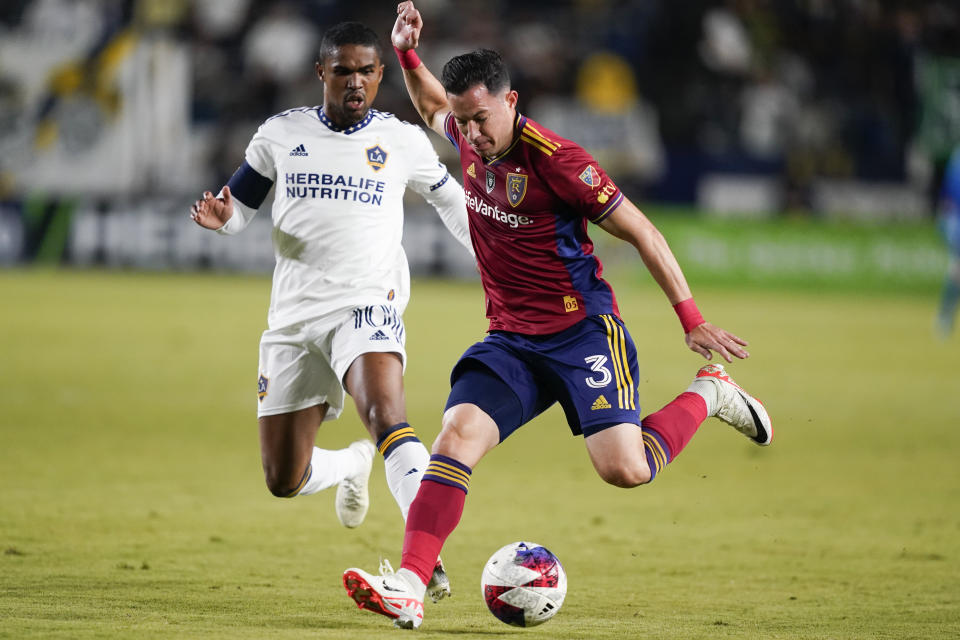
[(411, 472), (600, 403), (299, 151), (379, 335)]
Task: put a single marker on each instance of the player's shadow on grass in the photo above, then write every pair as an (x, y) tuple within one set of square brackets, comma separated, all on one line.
[(299, 622), (475, 632)]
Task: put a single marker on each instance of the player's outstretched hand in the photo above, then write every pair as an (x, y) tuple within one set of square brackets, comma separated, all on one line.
[(707, 337), (406, 30), (210, 212)]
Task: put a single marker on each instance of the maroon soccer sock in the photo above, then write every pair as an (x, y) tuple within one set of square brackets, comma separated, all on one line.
[(434, 514), (667, 432)]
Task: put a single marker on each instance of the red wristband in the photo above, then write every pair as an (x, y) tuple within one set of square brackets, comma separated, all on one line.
[(408, 59), (689, 315)]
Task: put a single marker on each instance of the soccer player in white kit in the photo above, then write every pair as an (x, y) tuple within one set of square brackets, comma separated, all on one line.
[(341, 280)]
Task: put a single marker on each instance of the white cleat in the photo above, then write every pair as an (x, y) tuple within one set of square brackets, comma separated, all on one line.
[(388, 594), (353, 496), (738, 408), (439, 586)]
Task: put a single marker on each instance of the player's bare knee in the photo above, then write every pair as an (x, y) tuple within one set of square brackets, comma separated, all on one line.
[(466, 435), (280, 488), (281, 484), (625, 475), (452, 436)]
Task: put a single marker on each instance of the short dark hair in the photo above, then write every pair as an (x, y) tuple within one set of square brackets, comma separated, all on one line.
[(482, 66), (348, 33)]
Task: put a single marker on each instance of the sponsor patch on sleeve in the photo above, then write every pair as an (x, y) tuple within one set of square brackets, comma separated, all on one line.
[(590, 177)]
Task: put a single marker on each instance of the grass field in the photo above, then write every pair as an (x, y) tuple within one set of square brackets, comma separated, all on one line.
[(132, 502)]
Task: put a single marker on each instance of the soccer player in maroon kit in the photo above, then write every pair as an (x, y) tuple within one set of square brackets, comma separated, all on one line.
[(555, 331)]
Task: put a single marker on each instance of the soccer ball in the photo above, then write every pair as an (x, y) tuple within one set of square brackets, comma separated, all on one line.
[(523, 584)]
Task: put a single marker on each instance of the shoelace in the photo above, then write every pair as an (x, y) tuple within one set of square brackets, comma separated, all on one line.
[(386, 569)]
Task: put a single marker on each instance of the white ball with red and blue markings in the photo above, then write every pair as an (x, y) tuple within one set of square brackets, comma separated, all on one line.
[(523, 584)]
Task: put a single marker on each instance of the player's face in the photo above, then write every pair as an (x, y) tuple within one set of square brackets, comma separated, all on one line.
[(485, 119), (351, 77)]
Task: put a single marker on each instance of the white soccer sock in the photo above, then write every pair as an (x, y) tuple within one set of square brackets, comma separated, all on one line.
[(405, 466), (328, 468), (706, 388)]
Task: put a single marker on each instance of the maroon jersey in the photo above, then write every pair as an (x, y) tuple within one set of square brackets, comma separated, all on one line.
[(528, 210)]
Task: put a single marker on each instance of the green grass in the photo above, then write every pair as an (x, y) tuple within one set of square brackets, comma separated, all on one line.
[(803, 254), (132, 502)]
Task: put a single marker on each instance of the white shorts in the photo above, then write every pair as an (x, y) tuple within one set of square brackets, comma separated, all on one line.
[(304, 364)]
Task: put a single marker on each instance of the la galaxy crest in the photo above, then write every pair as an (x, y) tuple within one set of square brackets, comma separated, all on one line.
[(516, 188), (262, 383), (376, 157)]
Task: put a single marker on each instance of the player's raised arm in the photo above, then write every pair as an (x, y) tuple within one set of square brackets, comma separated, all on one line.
[(628, 223), (425, 90)]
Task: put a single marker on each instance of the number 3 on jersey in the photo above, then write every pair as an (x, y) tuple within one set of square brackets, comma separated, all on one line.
[(597, 366)]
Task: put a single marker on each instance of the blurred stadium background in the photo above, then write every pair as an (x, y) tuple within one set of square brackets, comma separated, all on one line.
[(116, 114), (790, 150)]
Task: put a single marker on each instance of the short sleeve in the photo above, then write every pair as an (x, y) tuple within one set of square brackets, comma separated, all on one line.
[(427, 173), (260, 156), (577, 179), (450, 129), (251, 182)]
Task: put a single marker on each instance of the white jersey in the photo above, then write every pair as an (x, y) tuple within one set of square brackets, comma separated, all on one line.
[(338, 208)]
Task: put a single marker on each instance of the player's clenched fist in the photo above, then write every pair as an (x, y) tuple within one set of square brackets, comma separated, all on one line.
[(406, 30), (210, 212)]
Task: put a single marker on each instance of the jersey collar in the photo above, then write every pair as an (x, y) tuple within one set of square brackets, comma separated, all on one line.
[(351, 129)]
